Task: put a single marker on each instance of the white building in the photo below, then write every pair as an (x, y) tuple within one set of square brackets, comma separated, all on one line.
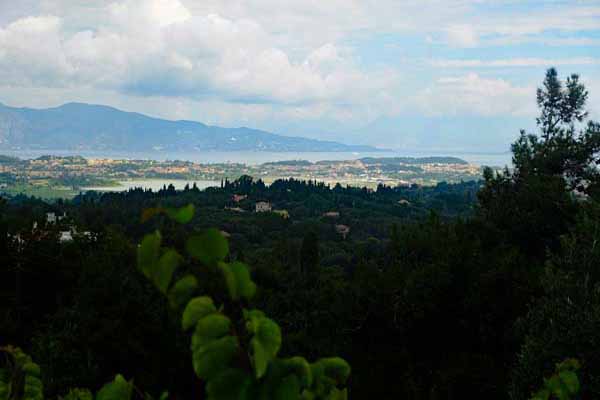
[(263, 206), (65, 236), (50, 218)]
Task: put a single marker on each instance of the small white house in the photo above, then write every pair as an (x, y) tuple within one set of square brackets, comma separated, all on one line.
[(50, 218), (263, 206), (65, 236)]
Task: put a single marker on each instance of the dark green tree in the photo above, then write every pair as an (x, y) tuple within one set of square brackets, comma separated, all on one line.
[(309, 254)]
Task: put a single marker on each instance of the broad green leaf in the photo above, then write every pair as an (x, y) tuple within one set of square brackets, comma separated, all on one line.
[(230, 384), (211, 327), (334, 368), (183, 289), (148, 253), (570, 380), (164, 396), (118, 389), (299, 367), (182, 215), (33, 389), (265, 342), (213, 356), (212, 346), (209, 247), (195, 310), (557, 388), (237, 278), (245, 287), (31, 368), (164, 269)]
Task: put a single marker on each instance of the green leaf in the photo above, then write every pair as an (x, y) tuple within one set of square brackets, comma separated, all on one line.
[(213, 356), (33, 388), (557, 387), (164, 269), (212, 346), (195, 310), (265, 342), (182, 215), (211, 327), (209, 247), (237, 278), (148, 253), (183, 289), (164, 396), (31, 368), (230, 384), (570, 381), (245, 287), (570, 364), (299, 367), (118, 389), (334, 368)]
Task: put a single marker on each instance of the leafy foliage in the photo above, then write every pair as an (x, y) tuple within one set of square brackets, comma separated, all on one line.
[(231, 366), (19, 376), (563, 384)]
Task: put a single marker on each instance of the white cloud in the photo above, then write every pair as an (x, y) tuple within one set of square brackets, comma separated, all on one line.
[(251, 61), (472, 94), (462, 35), (156, 47), (514, 62)]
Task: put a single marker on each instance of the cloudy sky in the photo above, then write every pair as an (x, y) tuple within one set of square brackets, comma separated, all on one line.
[(406, 74)]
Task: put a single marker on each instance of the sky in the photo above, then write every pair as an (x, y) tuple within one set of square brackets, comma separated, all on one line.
[(414, 74)]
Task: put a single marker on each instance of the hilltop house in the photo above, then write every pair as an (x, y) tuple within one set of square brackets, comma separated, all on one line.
[(263, 206), (52, 218)]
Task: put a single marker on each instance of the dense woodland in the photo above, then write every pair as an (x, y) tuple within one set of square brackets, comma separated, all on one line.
[(469, 290)]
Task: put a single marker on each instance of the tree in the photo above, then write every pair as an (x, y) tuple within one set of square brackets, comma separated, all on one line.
[(534, 203), (309, 254), (561, 149)]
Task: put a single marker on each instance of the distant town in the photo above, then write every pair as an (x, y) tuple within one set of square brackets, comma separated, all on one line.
[(54, 176)]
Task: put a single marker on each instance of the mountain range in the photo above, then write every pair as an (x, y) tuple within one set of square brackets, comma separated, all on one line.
[(78, 126)]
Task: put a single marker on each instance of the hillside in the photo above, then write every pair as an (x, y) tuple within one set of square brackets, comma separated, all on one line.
[(76, 126)]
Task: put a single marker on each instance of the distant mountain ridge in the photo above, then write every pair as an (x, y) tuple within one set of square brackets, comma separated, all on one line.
[(78, 126)]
